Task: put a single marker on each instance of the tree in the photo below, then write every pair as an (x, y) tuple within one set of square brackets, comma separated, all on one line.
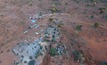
[(79, 27), (60, 25), (76, 55), (103, 63), (96, 25), (53, 51), (102, 10), (50, 19), (53, 10)]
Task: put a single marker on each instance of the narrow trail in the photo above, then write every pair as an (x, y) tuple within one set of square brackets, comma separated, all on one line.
[(105, 27), (75, 16)]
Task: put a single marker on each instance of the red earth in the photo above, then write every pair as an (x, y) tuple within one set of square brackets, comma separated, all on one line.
[(14, 20)]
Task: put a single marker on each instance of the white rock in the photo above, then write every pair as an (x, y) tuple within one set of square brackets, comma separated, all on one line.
[(36, 33)]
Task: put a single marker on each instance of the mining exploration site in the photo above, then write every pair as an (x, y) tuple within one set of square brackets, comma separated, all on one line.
[(53, 32)]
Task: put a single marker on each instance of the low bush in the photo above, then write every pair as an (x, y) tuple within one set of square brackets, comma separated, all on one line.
[(53, 51)]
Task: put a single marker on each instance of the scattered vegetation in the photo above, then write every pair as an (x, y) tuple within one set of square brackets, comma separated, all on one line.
[(53, 10), (30, 4), (22, 22), (105, 16), (66, 3), (79, 27), (96, 25), (75, 54), (53, 39), (78, 56), (53, 51), (92, 1), (39, 52), (102, 10), (92, 17), (26, 1), (50, 19), (32, 62), (1, 15), (30, 57), (103, 63), (60, 25)]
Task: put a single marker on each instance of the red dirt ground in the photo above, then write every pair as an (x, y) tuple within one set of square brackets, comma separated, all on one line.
[(14, 20)]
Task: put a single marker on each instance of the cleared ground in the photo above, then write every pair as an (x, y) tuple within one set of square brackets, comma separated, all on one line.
[(14, 20)]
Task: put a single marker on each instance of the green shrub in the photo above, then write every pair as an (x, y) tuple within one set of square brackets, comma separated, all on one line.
[(53, 51), (75, 55), (92, 17), (50, 19), (79, 27), (60, 25), (103, 63), (102, 10), (96, 25), (53, 10)]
